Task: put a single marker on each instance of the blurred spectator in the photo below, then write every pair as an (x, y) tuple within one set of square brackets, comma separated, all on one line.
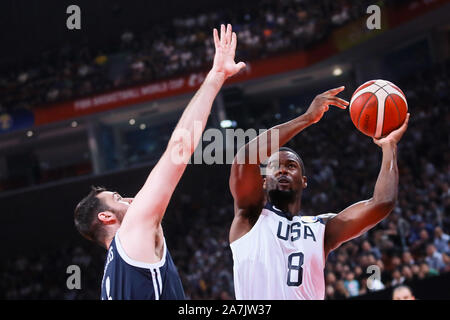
[(407, 258), (351, 285), (329, 292), (366, 247), (426, 271), (419, 246), (396, 262), (416, 271), (397, 278), (446, 259), (407, 274), (341, 292), (434, 258), (330, 279), (402, 293), (441, 240)]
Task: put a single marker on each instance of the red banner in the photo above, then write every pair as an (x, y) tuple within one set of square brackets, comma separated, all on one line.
[(177, 86), (190, 83), (117, 99)]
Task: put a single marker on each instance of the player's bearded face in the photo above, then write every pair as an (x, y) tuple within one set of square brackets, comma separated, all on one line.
[(121, 210), (118, 205), (279, 191), (277, 196), (284, 177), (120, 214)]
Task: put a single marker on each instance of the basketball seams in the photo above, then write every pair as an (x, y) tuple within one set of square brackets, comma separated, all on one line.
[(362, 87), (397, 92), (388, 94), (395, 104), (368, 89), (365, 104), (378, 85), (396, 107), (380, 113)]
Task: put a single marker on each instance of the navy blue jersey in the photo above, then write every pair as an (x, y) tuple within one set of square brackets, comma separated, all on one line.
[(127, 279)]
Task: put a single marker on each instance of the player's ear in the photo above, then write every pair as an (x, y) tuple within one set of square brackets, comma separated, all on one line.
[(304, 182), (107, 217), (264, 183)]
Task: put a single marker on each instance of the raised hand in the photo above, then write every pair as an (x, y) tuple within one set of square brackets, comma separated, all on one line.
[(322, 102), (225, 51), (395, 136)]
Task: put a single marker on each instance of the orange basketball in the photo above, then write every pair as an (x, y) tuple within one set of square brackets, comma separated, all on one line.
[(378, 107)]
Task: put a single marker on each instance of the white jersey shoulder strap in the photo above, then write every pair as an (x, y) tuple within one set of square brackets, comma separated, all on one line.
[(326, 216)]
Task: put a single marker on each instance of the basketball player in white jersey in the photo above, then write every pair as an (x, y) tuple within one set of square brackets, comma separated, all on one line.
[(277, 252)]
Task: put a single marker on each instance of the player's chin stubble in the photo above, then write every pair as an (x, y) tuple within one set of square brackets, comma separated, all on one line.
[(281, 196)]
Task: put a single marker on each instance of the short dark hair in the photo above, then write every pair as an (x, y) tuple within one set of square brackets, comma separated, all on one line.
[(402, 286), (85, 216), (300, 161)]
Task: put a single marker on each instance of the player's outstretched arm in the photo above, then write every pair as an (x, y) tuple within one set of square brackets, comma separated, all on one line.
[(246, 184), (362, 216), (148, 207)]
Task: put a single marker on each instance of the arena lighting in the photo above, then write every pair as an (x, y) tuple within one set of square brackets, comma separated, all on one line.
[(337, 71), (142, 126), (74, 124), (132, 122), (228, 124), (29, 133)]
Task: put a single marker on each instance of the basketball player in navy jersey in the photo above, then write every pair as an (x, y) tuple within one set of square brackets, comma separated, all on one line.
[(138, 263), (277, 252)]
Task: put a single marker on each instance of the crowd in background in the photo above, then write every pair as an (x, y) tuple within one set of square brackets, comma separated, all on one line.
[(342, 165), (178, 46), (411, 244)]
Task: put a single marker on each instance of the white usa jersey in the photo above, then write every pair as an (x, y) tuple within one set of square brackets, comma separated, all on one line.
[(280, 258)]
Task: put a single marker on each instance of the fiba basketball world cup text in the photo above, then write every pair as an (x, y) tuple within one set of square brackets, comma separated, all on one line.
[(230, 142)]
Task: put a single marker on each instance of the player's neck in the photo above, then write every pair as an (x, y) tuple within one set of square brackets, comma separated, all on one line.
[(107, 242), (293, 207), (110, 232)]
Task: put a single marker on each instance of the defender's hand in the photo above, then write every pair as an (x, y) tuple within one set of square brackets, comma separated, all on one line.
[(322, 102), (395, 136), (225, 51)]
